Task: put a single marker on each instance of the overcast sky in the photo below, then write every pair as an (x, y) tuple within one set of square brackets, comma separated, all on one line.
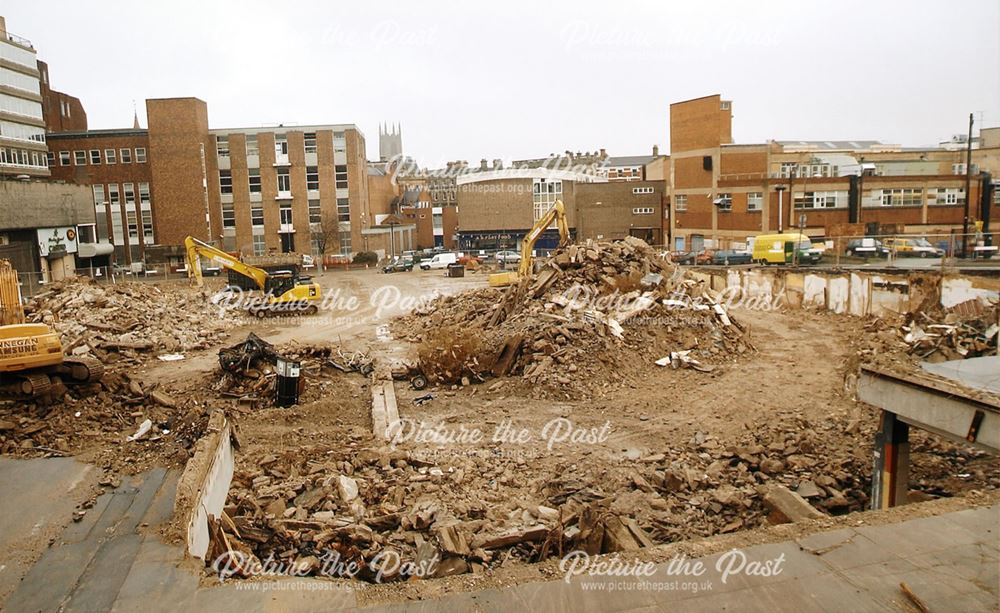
[(513, 79)]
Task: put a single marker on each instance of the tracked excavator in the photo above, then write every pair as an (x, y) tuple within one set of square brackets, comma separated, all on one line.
[(556, 214), (32, 364)]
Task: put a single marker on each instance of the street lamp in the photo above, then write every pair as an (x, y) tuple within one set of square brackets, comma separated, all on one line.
[(780, 189)]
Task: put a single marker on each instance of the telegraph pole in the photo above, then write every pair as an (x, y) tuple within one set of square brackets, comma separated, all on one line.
[(968, 193)]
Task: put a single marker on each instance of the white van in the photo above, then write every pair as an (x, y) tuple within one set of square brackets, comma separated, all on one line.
[(441, 260)]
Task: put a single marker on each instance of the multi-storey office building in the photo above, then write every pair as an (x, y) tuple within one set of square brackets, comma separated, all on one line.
[(727, 192), (22, 120), (246, 190)]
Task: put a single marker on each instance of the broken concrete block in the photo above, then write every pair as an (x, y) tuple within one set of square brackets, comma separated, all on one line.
[(788, 507)]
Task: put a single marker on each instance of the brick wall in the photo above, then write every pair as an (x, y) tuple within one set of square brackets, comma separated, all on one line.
[(607, 211)]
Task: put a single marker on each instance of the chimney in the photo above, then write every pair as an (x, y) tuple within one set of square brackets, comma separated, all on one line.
[(3, 26), (656, 151), (497, 164), (483, 165), (604, 154)]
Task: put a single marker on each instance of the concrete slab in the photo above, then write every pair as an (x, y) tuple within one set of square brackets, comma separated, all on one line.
[(38, 500)]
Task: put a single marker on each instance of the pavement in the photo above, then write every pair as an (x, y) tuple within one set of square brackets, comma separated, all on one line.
[(113, 560)]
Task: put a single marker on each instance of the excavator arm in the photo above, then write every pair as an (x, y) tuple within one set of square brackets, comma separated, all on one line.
[(558, 214), (197, 249)]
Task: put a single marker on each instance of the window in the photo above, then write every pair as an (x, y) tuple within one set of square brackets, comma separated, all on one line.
[(64, 158), (254, 180), (310, 142), (312, 177), (948, 195), (147, 226), (343, 209), (252, 145), (902, 197), (140, 155), (225, 181), (345, 242), (340, 175), (544, 195), (280, 145), (284, 181), (110, 156), (755, 201), (725, 201), (228, 215), (133, 223), (642, 190), (285, 214), (95, 156), (80, 158), (144, 193), (50, 159), (681, 202), (958, 169), (339, 142), (315, 213), (820, 200), (113, 196), (126, 156), (129, 190), (222, 146), (259, 246), (98, 196), (725, 105), (645, 210), (787, 169), (257, 215)]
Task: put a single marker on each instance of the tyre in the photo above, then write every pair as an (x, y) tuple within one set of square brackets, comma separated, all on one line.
[(260, 313), (924, 254)]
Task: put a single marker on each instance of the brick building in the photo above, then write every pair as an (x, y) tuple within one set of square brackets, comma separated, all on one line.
[(725, 192), (616, 209), (246, 190), (115, 165)]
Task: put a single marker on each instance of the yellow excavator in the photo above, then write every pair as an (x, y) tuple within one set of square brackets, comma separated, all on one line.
[(32, 364), (283, 292), (557, 214)]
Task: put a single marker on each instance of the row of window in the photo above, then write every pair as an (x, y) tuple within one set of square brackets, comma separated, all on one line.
[(109, 199), (284, 179), (20, 131), (111, 156), (285, 213), (642, 190), (114, 195), (839, 199), (21, 157), (280, 144), (20, 106)]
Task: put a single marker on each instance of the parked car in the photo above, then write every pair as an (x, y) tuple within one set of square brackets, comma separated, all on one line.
[(439, 261), (682, 257), (866, 247), (398, 264), (512, 257), (912, 247), (730, 256)]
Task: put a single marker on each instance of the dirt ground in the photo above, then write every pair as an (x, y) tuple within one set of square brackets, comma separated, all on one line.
[(784, 403)]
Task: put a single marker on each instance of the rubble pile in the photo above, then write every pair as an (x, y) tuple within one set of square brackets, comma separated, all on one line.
[(129, 424), (474, 508), (932, 334), (583, 320), (127, 320)]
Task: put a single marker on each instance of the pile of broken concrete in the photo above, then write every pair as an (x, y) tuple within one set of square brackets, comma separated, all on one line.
[(472, 510), (594, 314), (130, 320)]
